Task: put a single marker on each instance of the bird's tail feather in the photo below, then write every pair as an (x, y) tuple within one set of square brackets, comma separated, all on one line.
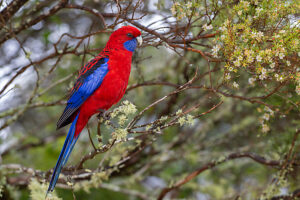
[(64, 154)]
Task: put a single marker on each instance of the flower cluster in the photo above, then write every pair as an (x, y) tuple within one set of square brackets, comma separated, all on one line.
[(120, 134), (266, 53), (123, 111), (37, 191), (186, 120), (215, 50), (207, 27), (265, 118), (96, 179), (121, 115), (126, 108)]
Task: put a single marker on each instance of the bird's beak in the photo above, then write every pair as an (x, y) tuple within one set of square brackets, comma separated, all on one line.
[(139, 40)]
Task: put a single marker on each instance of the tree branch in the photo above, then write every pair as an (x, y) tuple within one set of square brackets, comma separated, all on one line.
[(252, 156)]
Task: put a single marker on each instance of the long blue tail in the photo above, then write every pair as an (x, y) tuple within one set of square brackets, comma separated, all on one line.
[(64, 155)]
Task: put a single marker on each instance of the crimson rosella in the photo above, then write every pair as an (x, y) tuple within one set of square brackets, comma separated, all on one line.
[(101, 83)]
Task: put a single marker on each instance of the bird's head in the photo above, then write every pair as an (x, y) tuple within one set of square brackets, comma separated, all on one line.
[(127, 37)]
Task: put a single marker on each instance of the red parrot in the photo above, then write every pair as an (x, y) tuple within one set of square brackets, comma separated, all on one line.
[(101, 83)]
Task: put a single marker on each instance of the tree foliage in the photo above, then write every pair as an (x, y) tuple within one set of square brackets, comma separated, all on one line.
[(211, 110)]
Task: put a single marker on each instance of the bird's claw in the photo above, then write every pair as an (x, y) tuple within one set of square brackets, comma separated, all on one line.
[(103, 114)]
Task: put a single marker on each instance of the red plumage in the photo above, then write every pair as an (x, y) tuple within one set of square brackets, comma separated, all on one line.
[(101, 83), (115, 82)]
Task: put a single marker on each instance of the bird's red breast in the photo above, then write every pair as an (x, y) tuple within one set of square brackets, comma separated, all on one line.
[(115, 82)]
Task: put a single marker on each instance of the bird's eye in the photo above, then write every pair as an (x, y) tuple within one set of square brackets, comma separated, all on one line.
[(129, 35)]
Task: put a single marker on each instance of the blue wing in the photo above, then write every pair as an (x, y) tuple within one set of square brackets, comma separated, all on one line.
[(90, 78)]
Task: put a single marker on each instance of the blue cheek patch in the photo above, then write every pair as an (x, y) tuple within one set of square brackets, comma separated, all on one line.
[(130, 45)]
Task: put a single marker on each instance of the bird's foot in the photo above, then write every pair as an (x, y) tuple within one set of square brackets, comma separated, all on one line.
[(103, 114)]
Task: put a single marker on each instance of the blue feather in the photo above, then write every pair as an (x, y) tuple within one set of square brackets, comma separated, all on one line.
[(87, 83), (64, 154), (130, 45)]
